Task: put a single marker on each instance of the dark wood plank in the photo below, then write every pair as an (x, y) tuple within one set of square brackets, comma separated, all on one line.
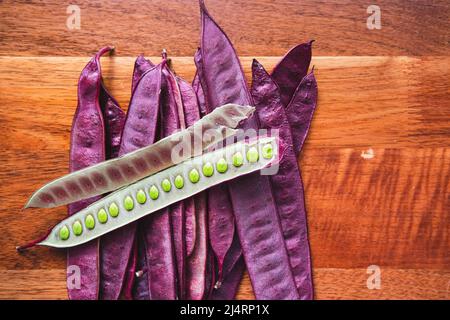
[(265, 27)]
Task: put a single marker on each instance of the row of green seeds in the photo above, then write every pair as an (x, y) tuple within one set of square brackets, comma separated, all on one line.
[(194, 177)]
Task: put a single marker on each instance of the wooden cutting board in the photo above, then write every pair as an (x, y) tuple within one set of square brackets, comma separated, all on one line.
[(376, 164)]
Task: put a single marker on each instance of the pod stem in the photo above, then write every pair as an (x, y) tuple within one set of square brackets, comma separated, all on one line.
[(164, 54), (104, 50), (100, 53), (165, 60), (33, 242)]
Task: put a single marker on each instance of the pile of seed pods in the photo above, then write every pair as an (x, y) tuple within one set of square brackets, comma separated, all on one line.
[(143, 225)]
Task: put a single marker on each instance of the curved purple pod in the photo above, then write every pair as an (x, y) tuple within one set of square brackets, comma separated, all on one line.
[(172, 120), (257, 220), (139, 131), (87, 147), (287, 185), (191, 115), (221, 224), (196, 218), (114, 119), (139, 284)]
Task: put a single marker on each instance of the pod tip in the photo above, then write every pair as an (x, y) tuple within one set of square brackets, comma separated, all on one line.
[(29, 203), (217, 285), (139, 273)]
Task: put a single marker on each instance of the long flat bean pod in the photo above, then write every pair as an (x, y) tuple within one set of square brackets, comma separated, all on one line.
[(138, 277), (113, 174), (221, 225), (114, 120), (257, 220), (196, 215), (156, 230), (286, 184), (196, 221), (139, 131), (158, 191), (87, 147), (173, 120)]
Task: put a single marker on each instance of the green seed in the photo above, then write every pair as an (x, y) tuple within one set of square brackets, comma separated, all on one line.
[(154, 192), (89, 221), (113, 210), (222, 165), (238, 159), (208, 169), (166, 186), (64, 233), (140, 197), (179, 182), (128, 203), (267, 151), (194, 176), (77, 228), (102, 216), (252, 155)]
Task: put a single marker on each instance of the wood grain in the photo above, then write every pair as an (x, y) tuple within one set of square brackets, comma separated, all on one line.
[(138, 26), (376, 164)]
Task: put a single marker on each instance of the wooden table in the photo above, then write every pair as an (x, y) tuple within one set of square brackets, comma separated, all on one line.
[(376, 164)]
